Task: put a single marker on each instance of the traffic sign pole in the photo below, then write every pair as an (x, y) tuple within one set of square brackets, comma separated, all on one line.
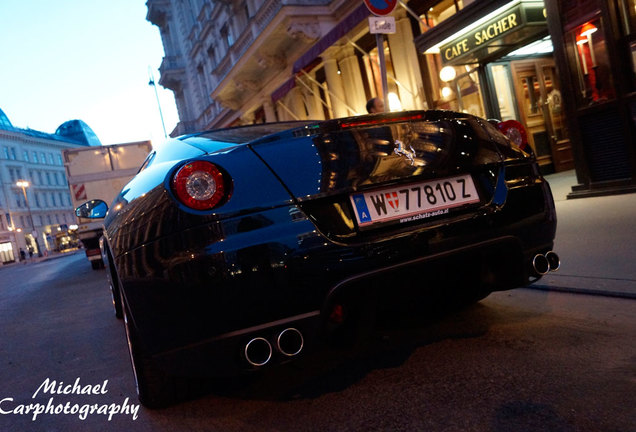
[(379, 40), (381, 8)]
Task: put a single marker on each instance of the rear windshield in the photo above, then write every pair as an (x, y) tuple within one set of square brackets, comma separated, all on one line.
[(244, 134)]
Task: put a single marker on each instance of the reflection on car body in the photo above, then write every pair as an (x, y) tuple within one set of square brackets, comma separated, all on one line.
[(241, 248)]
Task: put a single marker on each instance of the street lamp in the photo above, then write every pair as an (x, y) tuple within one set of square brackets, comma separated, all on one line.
[(25, 184), (152, 83)]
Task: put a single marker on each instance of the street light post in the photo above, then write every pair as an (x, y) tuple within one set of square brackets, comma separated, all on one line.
[(25, 184), (152, 83)]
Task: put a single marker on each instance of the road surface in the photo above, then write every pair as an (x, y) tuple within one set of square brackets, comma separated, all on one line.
[(522, 360)]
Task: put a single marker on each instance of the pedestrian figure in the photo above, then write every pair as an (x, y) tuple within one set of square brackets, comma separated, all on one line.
[(22, 255), (375, 105)]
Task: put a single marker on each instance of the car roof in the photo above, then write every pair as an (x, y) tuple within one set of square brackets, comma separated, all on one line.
[(245, 134)]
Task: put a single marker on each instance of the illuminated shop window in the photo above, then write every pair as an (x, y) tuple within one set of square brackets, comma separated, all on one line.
[(504, 89), (554, 103), (440, 12), (627, 14), (588, 51), (627, 10), (455, 87), (6, 252)]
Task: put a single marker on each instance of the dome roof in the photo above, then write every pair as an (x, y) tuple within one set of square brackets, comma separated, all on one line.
[(72, 131), (79, 131), (4, 121)]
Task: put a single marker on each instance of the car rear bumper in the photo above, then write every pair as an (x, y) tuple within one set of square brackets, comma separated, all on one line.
[(354, 302), (227, 354), (203, 302)]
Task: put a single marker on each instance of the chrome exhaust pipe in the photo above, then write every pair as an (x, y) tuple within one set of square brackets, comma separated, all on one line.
[(553, 260), (540, 264), (258, 352), (290, 342)]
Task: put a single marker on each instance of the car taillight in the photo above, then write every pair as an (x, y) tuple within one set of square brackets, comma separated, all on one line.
[(199, 185), (516, 133)]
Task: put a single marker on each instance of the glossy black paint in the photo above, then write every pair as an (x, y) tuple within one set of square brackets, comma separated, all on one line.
[(285, 245)]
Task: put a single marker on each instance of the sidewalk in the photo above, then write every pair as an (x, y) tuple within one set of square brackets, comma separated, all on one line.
[(36, 259), (596, 241)]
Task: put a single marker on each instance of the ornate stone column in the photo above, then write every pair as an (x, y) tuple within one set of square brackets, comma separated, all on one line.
[(270, 113), (296, 104), (334, 84), (311, 95), (248, 118), (352, 80), (405, 64)]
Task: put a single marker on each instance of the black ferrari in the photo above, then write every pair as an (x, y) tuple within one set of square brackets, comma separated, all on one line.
[(237, 249)]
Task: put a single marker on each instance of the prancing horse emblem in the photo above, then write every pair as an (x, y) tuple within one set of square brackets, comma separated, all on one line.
[(401, 150)]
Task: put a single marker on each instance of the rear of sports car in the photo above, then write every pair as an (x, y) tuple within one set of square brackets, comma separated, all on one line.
[(247, 255)]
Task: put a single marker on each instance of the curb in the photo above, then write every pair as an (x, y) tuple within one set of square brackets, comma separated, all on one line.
[(588, 291)]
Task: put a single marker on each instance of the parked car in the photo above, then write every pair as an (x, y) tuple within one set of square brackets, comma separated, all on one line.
[(236, 249), (99, 172)]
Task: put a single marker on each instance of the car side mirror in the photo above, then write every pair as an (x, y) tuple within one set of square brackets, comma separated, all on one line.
[(94, 209)]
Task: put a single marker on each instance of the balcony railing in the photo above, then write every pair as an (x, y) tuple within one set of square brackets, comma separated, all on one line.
[(265, 15), (157, 10), (171, 63), (172, 71), (257, 24)]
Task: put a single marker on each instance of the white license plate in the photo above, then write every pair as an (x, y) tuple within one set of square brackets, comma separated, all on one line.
[(415, 201)]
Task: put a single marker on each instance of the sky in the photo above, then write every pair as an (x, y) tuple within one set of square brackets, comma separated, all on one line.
[(62, 60)]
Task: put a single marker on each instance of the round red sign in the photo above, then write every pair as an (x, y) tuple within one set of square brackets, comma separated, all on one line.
[(381, 7)]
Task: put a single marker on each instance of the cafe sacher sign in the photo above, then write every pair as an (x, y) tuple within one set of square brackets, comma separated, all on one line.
[(494, 29)]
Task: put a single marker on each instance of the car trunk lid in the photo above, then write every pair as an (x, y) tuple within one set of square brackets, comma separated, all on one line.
[(354, 175)]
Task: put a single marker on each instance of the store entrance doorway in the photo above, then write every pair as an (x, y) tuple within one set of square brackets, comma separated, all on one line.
[(540, 106), (529, 91)]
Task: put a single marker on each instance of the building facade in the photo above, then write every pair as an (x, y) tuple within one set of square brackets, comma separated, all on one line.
[(239, 62), (245, 61), (35, 205), (595, 47)]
